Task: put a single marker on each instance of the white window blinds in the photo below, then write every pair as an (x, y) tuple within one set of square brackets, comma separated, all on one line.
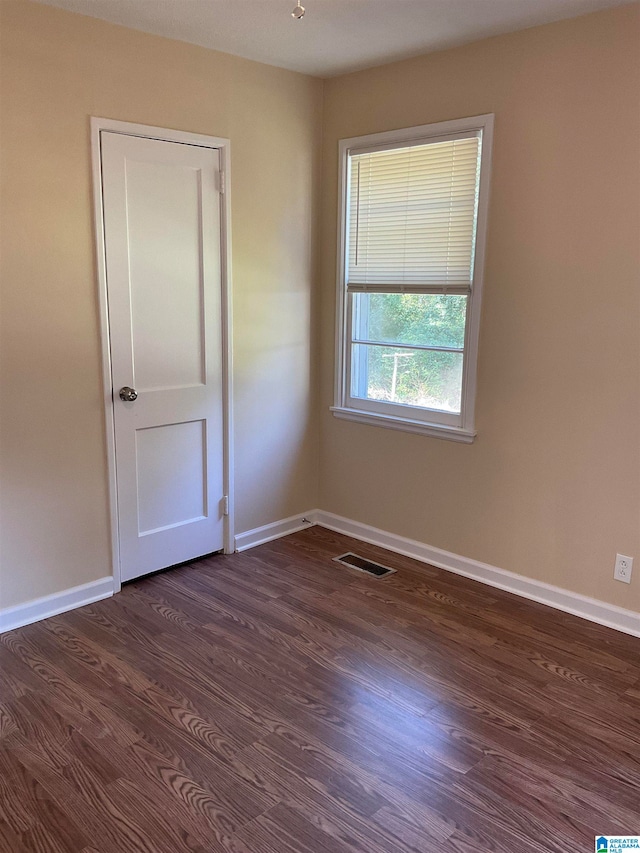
[(412, 216)]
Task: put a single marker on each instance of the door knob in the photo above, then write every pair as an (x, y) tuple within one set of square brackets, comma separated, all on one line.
[(128, 395)]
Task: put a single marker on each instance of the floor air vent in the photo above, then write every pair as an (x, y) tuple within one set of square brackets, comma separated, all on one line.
[(363, 565)]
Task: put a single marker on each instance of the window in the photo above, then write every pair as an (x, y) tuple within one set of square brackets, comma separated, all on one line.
[(411, 246)]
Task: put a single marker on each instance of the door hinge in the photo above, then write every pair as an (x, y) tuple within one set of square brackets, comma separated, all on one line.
[(222, 182), (225, 505)]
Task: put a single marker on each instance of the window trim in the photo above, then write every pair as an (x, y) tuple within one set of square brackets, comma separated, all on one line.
[(380, 414)]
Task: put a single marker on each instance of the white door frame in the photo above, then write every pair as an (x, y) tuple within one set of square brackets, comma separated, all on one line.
[(223, 146)]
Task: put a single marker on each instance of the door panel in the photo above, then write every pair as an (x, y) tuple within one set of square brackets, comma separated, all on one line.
[(163, 212), (171, 461), (162, 244)]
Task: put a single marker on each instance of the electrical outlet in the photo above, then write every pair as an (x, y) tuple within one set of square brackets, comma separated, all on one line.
[(623, 568)]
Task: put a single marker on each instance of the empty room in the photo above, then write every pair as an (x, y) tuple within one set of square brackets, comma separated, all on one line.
[(319, 426)]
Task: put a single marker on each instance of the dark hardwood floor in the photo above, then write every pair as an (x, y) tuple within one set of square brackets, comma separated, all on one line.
[(276, 702)]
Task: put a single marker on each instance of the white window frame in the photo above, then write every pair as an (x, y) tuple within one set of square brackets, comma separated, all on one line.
[(393, 415)]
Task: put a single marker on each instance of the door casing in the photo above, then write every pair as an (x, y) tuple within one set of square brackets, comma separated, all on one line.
[(223, 146)]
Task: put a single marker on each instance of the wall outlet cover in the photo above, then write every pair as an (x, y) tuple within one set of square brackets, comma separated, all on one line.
[(623, 568)]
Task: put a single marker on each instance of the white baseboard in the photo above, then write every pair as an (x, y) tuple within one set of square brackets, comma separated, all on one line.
[(51, 605), (269, 532), (627, 621)]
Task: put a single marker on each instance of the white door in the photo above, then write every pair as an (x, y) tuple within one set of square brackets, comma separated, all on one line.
[(161, 206)]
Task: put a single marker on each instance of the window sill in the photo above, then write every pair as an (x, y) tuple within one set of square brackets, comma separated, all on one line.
[(449, 433)]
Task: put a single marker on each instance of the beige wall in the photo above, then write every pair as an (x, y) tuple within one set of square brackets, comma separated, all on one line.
[(57, 70), (551, 487)]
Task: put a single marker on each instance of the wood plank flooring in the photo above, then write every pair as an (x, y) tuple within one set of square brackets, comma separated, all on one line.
[(276, 702)]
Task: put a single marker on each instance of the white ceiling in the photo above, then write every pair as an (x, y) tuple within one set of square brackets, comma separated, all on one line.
[(335, 36)]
